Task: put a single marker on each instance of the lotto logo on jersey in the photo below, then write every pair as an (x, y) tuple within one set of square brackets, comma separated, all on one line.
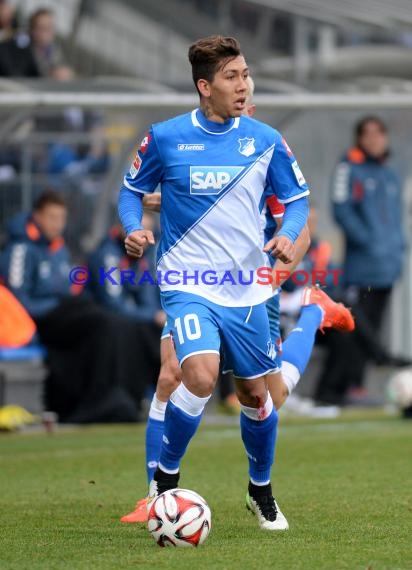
[(212, 179)]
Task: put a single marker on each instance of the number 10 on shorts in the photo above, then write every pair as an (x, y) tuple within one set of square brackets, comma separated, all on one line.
[(190, 329)]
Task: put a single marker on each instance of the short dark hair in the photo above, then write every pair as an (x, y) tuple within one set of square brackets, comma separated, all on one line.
[(38, 14), (208, 55), (47, 198), (361, 124)]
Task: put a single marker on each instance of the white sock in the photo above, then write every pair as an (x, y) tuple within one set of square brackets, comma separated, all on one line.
[(187, 401), (258, 414), (157, 409), (290, 375)]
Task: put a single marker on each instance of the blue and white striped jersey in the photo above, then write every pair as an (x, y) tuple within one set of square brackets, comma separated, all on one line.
[(213, 177)]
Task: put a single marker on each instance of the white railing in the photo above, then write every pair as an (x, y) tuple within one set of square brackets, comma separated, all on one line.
[(301, 101)]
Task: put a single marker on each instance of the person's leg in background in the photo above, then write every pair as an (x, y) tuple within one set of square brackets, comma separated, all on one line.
[(366, 346), (81, 341)]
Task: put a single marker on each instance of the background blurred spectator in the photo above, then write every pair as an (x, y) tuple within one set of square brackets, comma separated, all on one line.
[(317, 258), (367, 205), (94, 375), (139, 302), (47, 52), (8, 20), (36, 54), (17, 58)]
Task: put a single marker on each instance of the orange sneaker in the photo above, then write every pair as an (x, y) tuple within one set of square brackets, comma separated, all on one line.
[(139, 515), (335, 315)]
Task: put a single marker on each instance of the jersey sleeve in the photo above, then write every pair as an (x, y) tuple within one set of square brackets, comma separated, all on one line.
[(146, 170), (284, 174)]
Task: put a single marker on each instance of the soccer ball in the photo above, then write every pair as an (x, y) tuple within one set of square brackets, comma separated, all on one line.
[(179, 517), (400, 388)]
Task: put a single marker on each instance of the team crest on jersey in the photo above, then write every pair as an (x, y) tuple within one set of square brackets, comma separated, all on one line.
[(205, 180), (247, 146)]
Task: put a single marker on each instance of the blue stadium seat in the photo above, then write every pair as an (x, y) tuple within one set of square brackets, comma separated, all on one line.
[(30, 353)]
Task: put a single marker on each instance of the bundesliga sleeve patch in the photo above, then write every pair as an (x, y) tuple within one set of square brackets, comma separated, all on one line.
[(298, 174), (135, 167)]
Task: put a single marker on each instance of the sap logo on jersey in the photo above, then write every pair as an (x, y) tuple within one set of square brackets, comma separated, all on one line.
[(212, 179)]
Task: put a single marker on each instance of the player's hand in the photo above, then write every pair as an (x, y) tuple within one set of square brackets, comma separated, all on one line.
[(282, 248), (137, 241)]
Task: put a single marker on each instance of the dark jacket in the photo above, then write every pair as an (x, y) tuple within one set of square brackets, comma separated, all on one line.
[(17, 58), (34, 269), (366, 200), (140, 302)]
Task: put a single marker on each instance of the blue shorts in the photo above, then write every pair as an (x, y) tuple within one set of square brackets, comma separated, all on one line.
[(273, 309), (200, 326)]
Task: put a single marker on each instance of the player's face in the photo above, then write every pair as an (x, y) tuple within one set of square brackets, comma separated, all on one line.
[(374, 140), (225, 96), (51, 220)]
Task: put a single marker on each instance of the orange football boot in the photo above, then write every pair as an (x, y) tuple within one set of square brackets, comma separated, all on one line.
[(139, 515), (335, 315)]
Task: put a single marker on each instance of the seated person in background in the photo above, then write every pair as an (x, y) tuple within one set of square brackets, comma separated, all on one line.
[(317, 259), (92, 354), (46, 50), (8, 20), (139, 302), (37, 54)]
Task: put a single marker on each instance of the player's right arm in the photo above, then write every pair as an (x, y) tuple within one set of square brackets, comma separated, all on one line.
[(144, 175)]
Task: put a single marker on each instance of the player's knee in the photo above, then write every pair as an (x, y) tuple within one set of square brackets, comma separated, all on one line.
[(200, 375), (279, 394), (169, 379), (203, 385), (200, 382), (166, 385), (252, 395)]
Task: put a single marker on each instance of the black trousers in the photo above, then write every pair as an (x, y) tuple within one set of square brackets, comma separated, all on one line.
[(99, 363), (348, 354)]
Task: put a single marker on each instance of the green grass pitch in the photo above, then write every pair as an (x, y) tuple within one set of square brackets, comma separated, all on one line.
[(344, 485)]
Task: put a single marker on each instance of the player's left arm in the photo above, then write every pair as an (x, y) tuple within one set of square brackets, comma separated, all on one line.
[(286, 180), (282, 245), (281, 271)]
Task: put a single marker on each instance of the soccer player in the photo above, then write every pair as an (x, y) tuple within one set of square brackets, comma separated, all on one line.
[(214, 166), (279, 386)]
